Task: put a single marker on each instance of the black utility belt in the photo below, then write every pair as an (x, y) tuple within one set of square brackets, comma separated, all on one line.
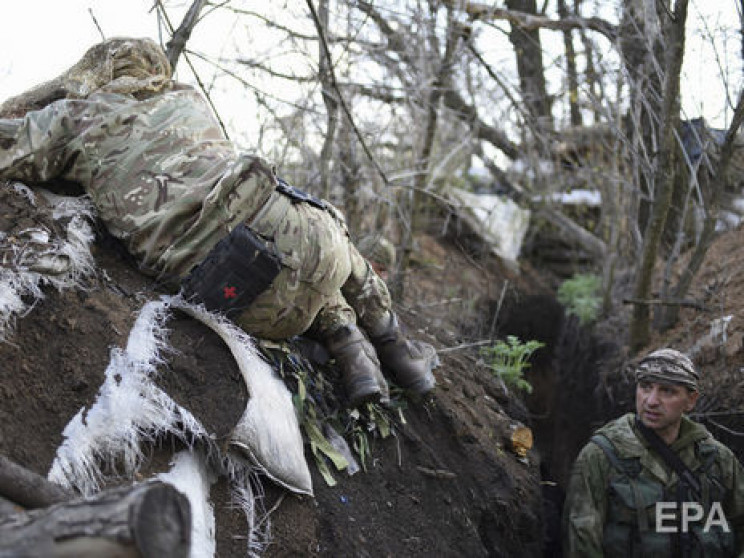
[(240, 267)]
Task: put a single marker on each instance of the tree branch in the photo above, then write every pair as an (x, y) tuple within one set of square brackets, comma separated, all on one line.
[(175, 46), (28, 489), (342, 102), (530, 22), (161, 10)]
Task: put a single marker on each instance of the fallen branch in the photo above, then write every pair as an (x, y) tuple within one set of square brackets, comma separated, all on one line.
[(667, 302), (731, 431), (151, 520), (465, 346), (27, 488)]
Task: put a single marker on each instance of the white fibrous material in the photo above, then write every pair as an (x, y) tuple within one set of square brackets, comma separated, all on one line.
[(247, 494), (130, 409), (190, 476), (34, 258), (268, 432)]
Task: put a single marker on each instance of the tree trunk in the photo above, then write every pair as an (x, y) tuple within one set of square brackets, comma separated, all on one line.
[(329, 99), (571, 71), (528, 50), (663, 175), (416, 195), (147, 520)]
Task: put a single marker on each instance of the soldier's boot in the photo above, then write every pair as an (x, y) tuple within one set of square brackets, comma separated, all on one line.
[(362, 378), (409, 362)]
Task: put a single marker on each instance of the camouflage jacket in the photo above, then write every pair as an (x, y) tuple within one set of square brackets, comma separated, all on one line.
[(602, 514), (161, 173)]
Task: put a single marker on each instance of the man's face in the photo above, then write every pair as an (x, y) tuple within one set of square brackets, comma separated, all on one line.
[(660, 405)]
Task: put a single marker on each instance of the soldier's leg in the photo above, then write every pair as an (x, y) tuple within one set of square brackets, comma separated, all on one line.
[(409, 362), (335, 327), (313, 248)]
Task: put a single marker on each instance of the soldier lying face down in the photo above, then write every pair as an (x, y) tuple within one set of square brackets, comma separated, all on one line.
[(206, 219)]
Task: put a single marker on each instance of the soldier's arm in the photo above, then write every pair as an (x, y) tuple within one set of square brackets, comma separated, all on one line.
[(39, 146), (585, 510), (734, 507)]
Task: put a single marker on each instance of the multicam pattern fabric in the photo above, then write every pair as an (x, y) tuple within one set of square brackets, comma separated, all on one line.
[(163, 178), (166, 182), (325, 280), (588, 526)]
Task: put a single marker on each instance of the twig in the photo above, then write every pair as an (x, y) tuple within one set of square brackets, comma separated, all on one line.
[(437, 473), (344, 106), (464, 346), (498, 308), (95, 22), (440, 302), (161, 10), (726, 429), (705, 415)]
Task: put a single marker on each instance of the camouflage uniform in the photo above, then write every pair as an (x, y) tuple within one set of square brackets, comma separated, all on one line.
[(601, 516), (168, 184)]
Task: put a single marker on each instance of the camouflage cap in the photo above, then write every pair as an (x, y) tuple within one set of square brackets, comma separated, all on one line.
[(377, 249), (670, 366)]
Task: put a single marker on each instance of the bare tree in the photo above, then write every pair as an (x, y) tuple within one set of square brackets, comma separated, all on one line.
[(420, 83)]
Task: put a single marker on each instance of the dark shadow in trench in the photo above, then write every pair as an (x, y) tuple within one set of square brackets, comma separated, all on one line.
[(567, 402)]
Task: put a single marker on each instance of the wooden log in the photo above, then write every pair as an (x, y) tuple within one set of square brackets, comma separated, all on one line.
[(149, 520), (6, 507), (27, 488)]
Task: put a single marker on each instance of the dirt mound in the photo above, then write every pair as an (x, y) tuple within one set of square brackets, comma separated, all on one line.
[(445, 482)]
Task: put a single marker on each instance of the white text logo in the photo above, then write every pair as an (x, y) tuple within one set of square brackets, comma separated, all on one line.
[(691, 512)]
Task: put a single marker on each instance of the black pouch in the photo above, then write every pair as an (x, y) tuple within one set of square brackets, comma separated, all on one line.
[(238, 269)]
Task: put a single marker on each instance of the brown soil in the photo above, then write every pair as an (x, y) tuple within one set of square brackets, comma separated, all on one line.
[(447, 482)]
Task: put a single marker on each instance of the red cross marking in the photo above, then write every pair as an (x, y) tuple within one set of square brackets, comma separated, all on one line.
[(230, 292)]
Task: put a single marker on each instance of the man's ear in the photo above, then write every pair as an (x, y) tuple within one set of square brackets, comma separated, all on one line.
[(692, 397)]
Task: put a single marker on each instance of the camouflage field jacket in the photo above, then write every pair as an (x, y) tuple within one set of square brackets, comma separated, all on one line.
[(161, 173), (604, 506)]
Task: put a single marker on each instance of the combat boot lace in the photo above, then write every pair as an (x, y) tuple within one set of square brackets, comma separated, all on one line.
[(362, 378)]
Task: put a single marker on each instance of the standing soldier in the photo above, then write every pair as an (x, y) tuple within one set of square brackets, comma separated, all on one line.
[(655, 483), (203, 218)]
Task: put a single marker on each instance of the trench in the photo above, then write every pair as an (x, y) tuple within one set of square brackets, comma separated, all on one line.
[(569, 399), (577, 387)]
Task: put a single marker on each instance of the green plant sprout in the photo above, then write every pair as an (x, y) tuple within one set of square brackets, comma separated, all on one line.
[(580, 296), (508, 360)]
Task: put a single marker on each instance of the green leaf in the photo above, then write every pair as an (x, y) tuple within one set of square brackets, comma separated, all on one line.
[(317, 440)]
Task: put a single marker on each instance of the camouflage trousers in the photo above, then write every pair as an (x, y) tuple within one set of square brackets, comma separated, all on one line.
[(324, 282)]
